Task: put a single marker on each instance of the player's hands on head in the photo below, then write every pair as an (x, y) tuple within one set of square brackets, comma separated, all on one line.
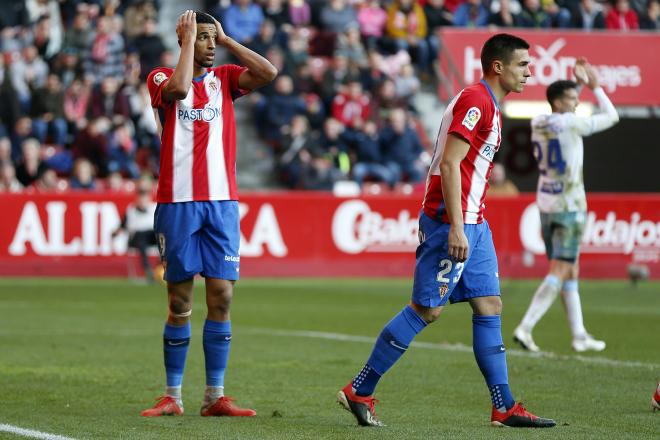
[(221, 37), (186, 26), (457, 244)]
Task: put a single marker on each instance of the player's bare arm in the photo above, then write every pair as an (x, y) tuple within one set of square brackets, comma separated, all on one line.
[(455, 151), (259, 71), (178, 85)]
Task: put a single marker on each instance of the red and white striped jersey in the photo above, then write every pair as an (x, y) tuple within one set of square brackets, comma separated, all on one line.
[(198, 139), (474, 116)]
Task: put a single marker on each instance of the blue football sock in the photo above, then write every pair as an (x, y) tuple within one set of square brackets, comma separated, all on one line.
[(217, 339), (175, 349), (490, 354), (392, 342)]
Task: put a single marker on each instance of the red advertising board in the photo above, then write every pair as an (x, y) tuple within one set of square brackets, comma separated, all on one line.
[(626, 63), (316, 234)]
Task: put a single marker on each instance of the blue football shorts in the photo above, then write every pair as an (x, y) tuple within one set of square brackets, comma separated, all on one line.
[(562, 233), (198, 237), (439, 278)]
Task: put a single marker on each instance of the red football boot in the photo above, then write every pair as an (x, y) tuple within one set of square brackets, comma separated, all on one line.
[(165, 406), (224, 406), (655, 400), (519, 417), (362, 407)]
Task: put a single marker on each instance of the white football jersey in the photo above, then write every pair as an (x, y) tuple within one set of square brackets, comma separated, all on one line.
[(559, 151)]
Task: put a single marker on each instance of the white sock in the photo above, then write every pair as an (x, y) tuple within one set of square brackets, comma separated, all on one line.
[(176, 393), (573, 306), (213, 393), (543, 298)]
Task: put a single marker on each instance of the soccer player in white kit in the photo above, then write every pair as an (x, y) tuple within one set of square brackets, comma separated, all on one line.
[(561, 198)]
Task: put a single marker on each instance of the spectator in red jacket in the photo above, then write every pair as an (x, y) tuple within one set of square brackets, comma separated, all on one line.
[(622, 17), (351, 107)]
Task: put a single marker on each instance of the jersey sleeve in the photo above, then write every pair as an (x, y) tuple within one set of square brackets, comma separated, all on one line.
[(155, 83), (589, 125), (229, 74), (468, 116)]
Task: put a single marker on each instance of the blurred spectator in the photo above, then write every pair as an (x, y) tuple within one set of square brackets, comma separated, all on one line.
[(67, 66), (372, 19), (505, 17), (48, 32), (149, 46), (48, 182), (621, 16), (280, 109), (79, 36), (106, 57), (350, 45), (297, 53), (587, 15), (300, 14), (136, 15), (368, 157), (352, 106), (471, 14), (275, 11), (76, 102), (533, 16), (651, 19), (338, 74), (10, 108), (335, 145), (298, 145), (242, 21), (407, 30), (92, 144), (121, 151), (500, 185), (266, 38), (384, 102), (83, 175), (22, 131), (407, 84), (337, 16), (8, 180), (108, 100), (314, 111), (402, 148), (437, 15), (48, 112), (138, 222), (30, 167), (14, 13), (560, 17), (28, 72), (5, 150)]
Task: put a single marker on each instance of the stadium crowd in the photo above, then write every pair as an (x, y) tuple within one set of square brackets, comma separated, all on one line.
[(76, 111)]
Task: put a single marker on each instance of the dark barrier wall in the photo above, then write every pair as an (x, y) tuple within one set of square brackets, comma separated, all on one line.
[(624, 158)]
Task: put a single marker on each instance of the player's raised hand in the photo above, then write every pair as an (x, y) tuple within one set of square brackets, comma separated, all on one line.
[(186, 26), (221, 36), (457, 244), (585, 73)]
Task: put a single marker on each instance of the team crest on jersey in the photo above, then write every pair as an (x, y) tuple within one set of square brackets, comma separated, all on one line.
[(443, 290), (471, 118), (213, 86), (159, 78)]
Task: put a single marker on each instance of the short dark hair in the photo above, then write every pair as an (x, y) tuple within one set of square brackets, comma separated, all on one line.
[(500, 47), (557, 89), (203, 17)]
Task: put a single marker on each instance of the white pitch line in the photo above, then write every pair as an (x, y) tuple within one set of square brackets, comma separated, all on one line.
[(31, 433), (462, 348)]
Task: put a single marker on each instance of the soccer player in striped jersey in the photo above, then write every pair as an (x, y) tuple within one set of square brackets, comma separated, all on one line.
[(197, 219), (456, 258), (558, 147)]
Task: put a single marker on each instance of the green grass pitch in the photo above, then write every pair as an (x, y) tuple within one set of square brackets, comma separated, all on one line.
[(82, 358)]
